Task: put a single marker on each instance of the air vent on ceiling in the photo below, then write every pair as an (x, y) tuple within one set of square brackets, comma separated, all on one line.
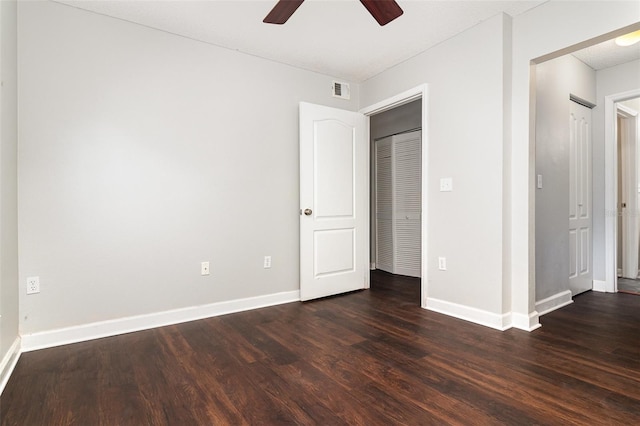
[(341, 90)]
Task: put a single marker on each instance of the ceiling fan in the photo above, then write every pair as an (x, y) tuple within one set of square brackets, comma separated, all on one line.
[(383, 11)]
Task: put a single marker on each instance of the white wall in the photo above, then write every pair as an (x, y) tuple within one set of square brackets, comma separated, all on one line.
[(555, 81), (143, 154), (609, 81), (549, 28), (8, 182), (465, 142)]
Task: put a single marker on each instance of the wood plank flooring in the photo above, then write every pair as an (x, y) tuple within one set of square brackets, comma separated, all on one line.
[(625, 285), (366, 358)]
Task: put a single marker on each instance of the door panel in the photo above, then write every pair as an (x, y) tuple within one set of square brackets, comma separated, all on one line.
[(334, 149), (580, 222), (334, 153)]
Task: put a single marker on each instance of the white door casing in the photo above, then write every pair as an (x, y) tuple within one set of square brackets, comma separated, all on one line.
[(333, 193), (629, 203), (580, 217)]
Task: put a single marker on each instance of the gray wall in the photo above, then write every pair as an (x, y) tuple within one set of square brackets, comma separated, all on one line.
[(555, 81), (8, 179), (143, 154), (464, 139), (397, 120)]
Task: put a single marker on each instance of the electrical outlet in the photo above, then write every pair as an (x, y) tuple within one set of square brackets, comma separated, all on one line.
[(204, 268), (33, 285), (442, 263), (267, 262)]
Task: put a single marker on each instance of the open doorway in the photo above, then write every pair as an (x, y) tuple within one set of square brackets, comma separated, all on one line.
[(396, 127), (395, 195), (628, 217), (585, 77)]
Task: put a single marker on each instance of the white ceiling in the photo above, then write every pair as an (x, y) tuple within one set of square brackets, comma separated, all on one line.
[(333, 37), (608, 54)]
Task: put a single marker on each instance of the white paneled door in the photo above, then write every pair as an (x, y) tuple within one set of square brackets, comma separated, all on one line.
[(580, 221), (333, 195)]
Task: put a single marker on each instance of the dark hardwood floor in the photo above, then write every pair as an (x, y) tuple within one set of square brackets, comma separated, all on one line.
[(368, 358), (625, 285)]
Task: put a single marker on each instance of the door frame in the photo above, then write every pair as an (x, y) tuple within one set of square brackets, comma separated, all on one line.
[(611, 189), (418, 92)]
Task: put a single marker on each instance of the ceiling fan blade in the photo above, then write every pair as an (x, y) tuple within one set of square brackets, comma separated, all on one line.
[(383, 11), (282, 11)]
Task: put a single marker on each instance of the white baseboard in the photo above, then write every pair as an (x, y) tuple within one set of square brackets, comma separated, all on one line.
[(526, 322), (467, 313), (9, 363), (600, 286), (96, 330), (372, 266), (554, 302)]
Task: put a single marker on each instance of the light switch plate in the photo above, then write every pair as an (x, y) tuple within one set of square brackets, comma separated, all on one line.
[(446, 184), (204, 268)]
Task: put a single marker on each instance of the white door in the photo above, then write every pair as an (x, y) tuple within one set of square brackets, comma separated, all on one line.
[(407, 203), (626, 133), (334, 167), (398, 204), (384, 205), (580, 233)]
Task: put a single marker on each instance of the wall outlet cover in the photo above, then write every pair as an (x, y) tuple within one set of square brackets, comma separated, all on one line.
[(33, 285)]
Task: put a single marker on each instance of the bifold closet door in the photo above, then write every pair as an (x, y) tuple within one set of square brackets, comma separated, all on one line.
[(384, 205), (407, 202), (398, 204)]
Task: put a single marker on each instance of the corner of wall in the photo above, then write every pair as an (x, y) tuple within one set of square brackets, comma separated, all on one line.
[(9, 338), (9, 362), (506, 161)]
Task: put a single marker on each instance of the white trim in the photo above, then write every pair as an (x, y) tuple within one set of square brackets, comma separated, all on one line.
[(599, 285), (372, 266), (9, 363), (611, 184), (626, 111), (96, 330), (526, 322), (396, 101), (418, 92), (467, 313), (554, 302)]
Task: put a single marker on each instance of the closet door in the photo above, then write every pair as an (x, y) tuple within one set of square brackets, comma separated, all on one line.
[(384, 205), (398, 204), (407, 203)]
